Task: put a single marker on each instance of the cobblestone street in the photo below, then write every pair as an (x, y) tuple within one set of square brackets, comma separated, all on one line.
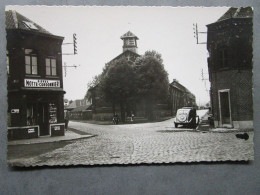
[(144, 143)]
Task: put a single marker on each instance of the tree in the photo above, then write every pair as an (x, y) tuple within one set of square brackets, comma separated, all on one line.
[(118, 83), (153, 83), (91, 84)]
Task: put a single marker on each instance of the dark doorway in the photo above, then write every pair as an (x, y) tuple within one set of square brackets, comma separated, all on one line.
[(43, 118), (225, 107)]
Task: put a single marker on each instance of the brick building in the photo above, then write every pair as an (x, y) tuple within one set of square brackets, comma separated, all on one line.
[(180, 97), (230, 68), (35, 82)]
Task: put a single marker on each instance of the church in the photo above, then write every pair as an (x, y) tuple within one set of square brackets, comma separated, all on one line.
[(102, 110)]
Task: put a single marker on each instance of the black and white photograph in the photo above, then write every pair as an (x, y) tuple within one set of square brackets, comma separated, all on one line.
[(124, 85)]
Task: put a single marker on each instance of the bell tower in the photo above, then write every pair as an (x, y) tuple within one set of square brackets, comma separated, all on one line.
[(129, 42)]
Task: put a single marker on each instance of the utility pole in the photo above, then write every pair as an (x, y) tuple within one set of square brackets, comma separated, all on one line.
[(74, 45), (196, 34), (204, 79), (68, 66)]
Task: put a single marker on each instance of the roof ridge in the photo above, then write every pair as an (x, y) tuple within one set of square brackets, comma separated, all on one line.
[(15, 18), (237, 11)]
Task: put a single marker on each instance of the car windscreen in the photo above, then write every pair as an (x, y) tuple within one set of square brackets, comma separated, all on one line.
[(182, 111)]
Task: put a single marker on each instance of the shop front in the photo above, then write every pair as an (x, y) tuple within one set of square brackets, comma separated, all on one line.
[(36, 112)]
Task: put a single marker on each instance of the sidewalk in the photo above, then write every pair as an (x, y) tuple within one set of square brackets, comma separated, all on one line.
[(228, 130), (69, 135)]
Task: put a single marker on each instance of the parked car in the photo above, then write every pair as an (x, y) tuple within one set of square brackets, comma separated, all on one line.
[(186, 116)]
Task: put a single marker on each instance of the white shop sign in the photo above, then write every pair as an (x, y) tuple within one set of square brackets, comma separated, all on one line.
[(43, 83), (31, 130), (13, 111)]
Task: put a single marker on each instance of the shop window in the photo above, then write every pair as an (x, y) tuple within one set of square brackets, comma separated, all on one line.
[(31, 114), (7, 62), (31, 65), (51, 67)]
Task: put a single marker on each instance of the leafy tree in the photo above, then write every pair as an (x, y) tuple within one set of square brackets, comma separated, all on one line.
[(91, 84), (153, 83), (118, 83)]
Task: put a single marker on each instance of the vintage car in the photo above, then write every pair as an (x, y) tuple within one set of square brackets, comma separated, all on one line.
[(186, 116)]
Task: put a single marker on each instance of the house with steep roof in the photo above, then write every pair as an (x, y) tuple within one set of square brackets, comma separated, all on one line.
[(35, 81), (180, 97), (229, 44)]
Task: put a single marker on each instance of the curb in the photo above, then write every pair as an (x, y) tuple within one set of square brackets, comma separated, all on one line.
[(54, 141)]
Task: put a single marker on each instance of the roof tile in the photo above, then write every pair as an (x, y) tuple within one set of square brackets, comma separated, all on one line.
[(15, 20)]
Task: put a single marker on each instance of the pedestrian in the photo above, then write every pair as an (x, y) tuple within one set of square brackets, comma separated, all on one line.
[(66, 120), (115, 119), (132, 117)]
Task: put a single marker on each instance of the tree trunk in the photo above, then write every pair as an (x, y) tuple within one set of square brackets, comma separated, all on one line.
[(122, 108), (113, 107), (149, 110)]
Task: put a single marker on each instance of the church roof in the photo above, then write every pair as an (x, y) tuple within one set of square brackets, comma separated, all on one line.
[(129, 34), (241, 12), (16, 21), (119, 56)]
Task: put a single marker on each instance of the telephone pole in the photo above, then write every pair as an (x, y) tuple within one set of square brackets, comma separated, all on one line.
[(196, 34), (68, 66), (204, 79), (74, 45)]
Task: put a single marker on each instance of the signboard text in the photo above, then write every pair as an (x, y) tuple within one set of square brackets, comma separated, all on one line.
[(41, 83)]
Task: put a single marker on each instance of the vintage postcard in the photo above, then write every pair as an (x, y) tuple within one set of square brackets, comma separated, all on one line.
[(129, 85)]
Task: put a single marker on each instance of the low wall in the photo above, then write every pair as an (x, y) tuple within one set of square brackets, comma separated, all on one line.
[(26, 132)]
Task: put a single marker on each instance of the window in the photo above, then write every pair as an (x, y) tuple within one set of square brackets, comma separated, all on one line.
[(51, 66), (30, 25), (31, 114), (131, 42), (31, 66), (7, 61), (223, 58)]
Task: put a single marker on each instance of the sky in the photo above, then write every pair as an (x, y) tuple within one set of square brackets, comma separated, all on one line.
[(167, 30)]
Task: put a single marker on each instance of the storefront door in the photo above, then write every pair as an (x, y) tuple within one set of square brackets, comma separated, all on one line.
[(43, 120)]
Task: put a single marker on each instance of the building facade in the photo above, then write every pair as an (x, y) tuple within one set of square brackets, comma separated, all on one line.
[(180, 97), (230, 68), (35, 82), (79, 110)]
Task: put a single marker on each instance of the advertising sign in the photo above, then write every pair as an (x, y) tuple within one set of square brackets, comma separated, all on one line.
[(42, 83), (52, 113)]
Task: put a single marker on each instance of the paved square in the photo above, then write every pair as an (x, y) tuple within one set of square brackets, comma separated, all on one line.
[(144, 143)]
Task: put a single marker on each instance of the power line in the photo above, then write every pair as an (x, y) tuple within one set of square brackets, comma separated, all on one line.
[(196, 34), (68, 66)]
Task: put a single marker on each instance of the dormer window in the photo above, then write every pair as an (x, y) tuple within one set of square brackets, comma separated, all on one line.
[(30, 25), (31, 64)]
